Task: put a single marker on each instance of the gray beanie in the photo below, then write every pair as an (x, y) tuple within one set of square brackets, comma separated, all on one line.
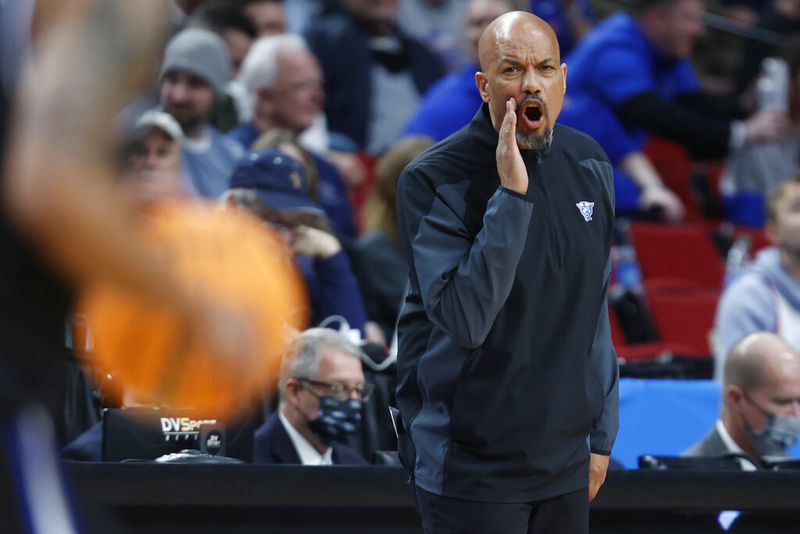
[(201, 52)]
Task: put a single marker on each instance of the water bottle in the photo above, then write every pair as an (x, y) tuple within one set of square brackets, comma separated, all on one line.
[(626, 269), (738, 258), (773, 84)]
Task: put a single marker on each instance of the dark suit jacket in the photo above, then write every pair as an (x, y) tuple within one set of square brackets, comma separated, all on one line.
[(274, 446), (710, 445)]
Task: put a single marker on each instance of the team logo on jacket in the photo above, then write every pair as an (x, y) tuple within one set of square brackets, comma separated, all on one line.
[(586, 208)]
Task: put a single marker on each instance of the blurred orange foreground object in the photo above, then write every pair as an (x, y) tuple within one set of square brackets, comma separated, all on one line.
[(232, 258)]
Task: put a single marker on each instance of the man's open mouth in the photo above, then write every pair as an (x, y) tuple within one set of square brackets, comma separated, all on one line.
[(533, 113)]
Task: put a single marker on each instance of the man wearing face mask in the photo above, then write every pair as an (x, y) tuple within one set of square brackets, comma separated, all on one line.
[(760, 411), (322, 388)]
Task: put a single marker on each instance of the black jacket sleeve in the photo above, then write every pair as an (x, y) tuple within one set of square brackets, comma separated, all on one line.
[(604, 361), (463, 279), (703, 137)]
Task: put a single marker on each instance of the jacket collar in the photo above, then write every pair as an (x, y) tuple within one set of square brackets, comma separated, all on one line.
[(481, 129)]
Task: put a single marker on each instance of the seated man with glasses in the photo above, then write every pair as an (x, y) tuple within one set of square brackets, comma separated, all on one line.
[(321, 392)]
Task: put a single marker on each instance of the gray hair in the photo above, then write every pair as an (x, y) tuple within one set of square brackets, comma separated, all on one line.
[(260, 65), (303, 359)]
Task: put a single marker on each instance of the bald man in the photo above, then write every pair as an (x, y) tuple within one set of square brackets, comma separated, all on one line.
[(507, 378), (760, 395)]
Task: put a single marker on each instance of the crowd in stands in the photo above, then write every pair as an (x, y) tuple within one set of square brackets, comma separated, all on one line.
[(306, 112)]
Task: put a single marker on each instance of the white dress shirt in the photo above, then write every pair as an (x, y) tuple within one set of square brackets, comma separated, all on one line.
[(733, 447), (307, 453)]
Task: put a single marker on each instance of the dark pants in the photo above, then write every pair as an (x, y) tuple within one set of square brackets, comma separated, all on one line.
[(565, 514)]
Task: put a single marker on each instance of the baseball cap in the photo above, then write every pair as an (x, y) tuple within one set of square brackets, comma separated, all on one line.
[(154, 118), (279, 180)]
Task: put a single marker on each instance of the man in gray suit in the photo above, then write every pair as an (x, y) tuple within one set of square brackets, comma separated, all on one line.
[(760, 402)]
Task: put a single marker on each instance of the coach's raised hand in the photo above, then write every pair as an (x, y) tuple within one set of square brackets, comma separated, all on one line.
[(510, 166)]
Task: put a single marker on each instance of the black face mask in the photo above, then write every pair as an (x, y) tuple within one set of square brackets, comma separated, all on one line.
[(336, 419)]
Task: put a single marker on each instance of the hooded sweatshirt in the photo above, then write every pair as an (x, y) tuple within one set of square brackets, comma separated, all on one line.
[(764, 298)]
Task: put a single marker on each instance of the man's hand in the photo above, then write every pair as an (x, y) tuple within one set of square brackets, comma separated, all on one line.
[(598, 467), (767, 126), (315, 243), (510, 167), (656, 195)]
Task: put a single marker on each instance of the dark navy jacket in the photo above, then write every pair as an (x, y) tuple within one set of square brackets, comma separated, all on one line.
[(274, 446), (506, 369)]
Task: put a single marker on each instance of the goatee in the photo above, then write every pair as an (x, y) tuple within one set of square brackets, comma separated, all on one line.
[(536, 142), (532, 140)]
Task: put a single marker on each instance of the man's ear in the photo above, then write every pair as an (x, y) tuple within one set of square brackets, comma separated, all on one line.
[(733, 395), (564, 76), (291, 388), (482, 81)]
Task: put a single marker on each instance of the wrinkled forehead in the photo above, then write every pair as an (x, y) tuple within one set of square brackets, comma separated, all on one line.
[(512, 39)]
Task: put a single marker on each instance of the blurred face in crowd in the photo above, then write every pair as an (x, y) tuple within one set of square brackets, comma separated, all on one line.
[(784, 226), (188, 98), (155, 168), (238, 43), (480, 13), (267, 17), (297, 97), (520, 58), (789, 8), (675, 26), (378, 15)]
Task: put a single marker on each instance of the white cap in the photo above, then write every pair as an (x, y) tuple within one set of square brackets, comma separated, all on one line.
[(159, 119)]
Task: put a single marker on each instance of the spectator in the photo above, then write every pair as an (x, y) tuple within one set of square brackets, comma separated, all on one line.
[(631, 77), (267, 16), (154, 162), (228, 20), (301, 14), (283, 83), (779, 16), (751, 174), (152, 173), (381, 267), (321, 393), (374, 74), (767, 296), (439, 24), (760, 395), (451, 102), (570, 19), (195, 70), (275, 187)]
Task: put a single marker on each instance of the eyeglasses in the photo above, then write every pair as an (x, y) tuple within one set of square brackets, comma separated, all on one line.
[(340, 391)]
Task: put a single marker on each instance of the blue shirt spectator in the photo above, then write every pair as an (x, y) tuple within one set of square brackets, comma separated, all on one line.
[(614, 63), (451, 102), (448, 106)]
